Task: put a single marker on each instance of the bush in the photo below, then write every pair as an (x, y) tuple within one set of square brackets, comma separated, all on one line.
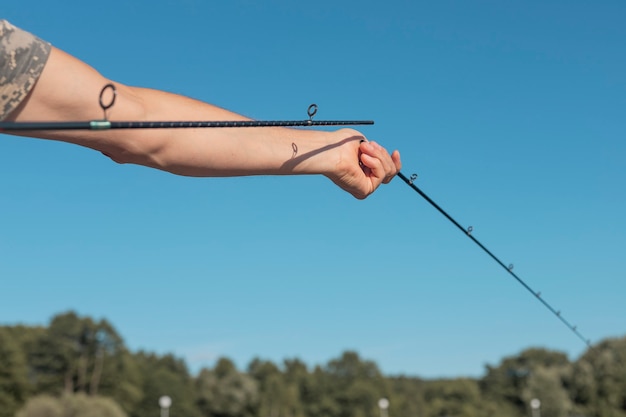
[(77, 405)]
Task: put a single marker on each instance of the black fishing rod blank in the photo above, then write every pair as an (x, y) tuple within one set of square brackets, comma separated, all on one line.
[(468, 232), (106, 124)]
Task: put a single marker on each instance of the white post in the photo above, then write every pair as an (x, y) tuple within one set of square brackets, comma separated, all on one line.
[(165, 403), (383, 404), (535, 406)]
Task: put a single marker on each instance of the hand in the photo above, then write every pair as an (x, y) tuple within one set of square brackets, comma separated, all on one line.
[(363, 165)]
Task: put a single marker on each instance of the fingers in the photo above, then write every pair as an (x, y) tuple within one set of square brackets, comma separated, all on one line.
[(362, 173), (395, 157), (382, 166)]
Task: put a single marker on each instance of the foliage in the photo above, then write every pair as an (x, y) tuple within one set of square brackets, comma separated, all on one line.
[(164, 375), (79, 367), (279, 393), (598, 383), (225, 392), (71, 405), (14, 386)]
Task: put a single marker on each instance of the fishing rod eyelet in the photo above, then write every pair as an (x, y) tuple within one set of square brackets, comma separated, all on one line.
[(412, 178), (311, 111), (104, 106)]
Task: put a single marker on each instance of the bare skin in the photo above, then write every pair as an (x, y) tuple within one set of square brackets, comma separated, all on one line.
[(67, 90)]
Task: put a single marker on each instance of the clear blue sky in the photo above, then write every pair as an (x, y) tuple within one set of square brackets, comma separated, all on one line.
[(513, 113)]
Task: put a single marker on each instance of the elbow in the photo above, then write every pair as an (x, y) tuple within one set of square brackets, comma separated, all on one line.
[(134, 146), (113, 158), (139, 149), (121, 157)]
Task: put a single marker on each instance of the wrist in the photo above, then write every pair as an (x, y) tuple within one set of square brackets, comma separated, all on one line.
[(343, 152)]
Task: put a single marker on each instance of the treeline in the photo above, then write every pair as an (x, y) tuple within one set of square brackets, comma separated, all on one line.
[(79, 367)]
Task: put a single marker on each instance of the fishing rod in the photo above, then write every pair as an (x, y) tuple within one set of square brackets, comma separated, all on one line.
[(468, 232), (106, 124)]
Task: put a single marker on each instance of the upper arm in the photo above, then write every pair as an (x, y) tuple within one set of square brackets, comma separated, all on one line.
[(22, 59), (41, 82), (67, 89)]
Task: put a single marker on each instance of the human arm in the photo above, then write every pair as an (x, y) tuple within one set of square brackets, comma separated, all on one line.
[(66, 90)]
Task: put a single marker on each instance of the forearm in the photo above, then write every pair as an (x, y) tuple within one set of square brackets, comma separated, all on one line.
[(230, 151)]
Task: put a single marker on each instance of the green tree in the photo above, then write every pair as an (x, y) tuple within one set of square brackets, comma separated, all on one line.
[(546, 384), (51, 358), (70, 356), (79, 354), (598, 383), (318, 396), (164, 375), (358, 385), (226, 392), (517, 379), (114, 372), (274, 393), (14, 387), (297, 380), (460, 397), (407, 396)]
